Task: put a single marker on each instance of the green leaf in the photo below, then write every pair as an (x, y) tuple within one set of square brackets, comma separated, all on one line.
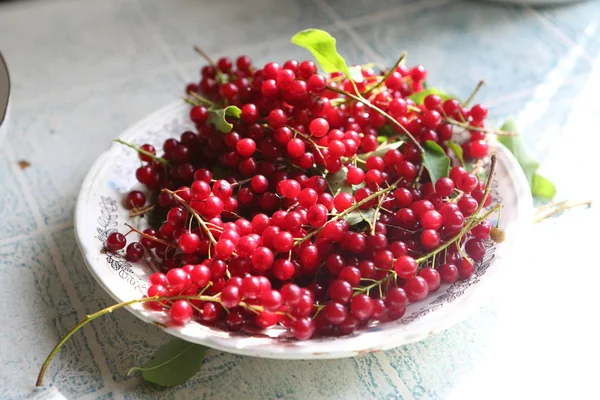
[(435, 160), (337, 182), (216, 117), (381, 150), (457, 150), (381, 139), (540, 186), (419, 97), (173, 363), (543, 188), (322, 45), (358, 216), (517, 147)]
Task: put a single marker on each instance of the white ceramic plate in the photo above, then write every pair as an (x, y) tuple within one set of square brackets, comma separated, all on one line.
[(99, 211)]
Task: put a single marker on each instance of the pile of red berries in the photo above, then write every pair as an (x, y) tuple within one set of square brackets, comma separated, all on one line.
[(298, 215)]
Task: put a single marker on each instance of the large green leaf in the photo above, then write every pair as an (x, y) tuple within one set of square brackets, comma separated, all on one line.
[(322, 45), (337, 182), (540, 186), (435, 160), (381, 150), (457, 150), (419, 97), (358, 216), (216, 117), (173, 364)]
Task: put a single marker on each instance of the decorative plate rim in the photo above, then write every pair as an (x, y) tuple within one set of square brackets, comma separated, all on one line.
[(360, 343)]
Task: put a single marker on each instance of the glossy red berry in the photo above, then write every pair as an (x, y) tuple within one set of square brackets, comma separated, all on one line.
[(115, 241)]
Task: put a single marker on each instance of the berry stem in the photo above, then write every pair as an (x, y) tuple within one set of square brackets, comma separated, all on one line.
[(465, 125), (200, 99), (387, 75), (154, 238), (102, 312), (141, 211), (376, 214), (363, 289), (144, 152), (474, 221), (308, 139), (474, 93), (350, 209), (205, 56), (562, 206), (381, 112), (194, 213)]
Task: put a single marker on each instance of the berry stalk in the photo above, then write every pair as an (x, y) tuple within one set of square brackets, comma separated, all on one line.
[(381, 112), (100, 313), (144, 152), (349, 210)]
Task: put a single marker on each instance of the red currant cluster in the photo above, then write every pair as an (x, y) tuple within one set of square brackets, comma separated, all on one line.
[(259, 229)]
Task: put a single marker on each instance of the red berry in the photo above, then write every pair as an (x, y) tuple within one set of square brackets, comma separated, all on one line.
[(245, 147), (432, 277), (416, 289), (319, 127), (405, 267), (361, 306), (231, 296), (340, 291), (135, 199), (181, 311), (448, 273), (262, 258), (479, 112), (115, 241), (189, 243), (134, 252), (335, 312), (303, 328), (396, 298), (465, 268)]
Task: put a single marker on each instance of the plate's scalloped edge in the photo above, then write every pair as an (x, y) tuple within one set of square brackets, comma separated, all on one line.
[(327, 349)]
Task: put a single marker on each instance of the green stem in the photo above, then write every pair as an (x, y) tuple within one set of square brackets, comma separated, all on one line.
[(387, 75), (309, 139), (381, 112), (474, 221), (350, 209), (474, 93), (364, 289), (102, 312), (134, 369), (144, 152), (562, 207), (194, 213), (465, 125), (201, 99)]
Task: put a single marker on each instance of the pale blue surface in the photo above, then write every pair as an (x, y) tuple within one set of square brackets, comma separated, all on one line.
[(84, 70)]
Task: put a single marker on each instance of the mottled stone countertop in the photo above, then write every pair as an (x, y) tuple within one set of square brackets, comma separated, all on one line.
[(82, 71)]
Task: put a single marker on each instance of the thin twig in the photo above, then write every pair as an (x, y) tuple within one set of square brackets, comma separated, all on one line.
[(205, 56), (141, 211), (381, 112), (387, 75), (349, 210), (194, 213), (474, 221), (561, 208), (142, 151), (465, 125), (474, 93), (154, 238)]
